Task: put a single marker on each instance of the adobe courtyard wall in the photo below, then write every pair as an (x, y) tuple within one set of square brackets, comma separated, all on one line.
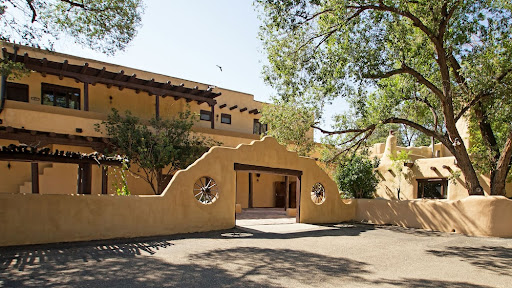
[(50, 218), (474, 215)]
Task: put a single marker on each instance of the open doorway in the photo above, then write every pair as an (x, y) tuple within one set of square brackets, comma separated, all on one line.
[(267, 194)]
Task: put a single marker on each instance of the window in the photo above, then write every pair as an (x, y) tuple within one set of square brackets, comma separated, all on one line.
[(225, 118), (259, 128), (205, 115), (432, 188), (16, 92), (60, 96)]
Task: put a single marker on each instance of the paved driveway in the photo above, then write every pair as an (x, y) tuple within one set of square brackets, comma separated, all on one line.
[(280, 255)]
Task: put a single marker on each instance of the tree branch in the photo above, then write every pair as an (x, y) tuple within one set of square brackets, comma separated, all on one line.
[(471, 104), (34, 13), (408, 70), (339, 132)]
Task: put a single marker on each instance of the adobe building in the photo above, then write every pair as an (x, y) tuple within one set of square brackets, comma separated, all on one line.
[(428, 173), (57, 105)]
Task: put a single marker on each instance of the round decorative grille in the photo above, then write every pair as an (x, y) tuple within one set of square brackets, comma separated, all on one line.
[(318, 193), (206, 190)]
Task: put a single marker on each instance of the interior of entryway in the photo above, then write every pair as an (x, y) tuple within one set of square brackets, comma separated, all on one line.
[(267, 193)]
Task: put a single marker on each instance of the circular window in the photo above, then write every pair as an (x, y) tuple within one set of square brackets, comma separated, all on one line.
[(318, 193), (206, 190)]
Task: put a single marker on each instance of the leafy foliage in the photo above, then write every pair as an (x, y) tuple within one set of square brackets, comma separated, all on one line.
[(106, 26), (290, 125), (419, 64), (355, 177), (158, 149)]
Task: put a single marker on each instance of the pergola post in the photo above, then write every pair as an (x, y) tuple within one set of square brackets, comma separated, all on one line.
[(86, 96), (212, 118), (287, 189), (298, 199), (157, 107), (104, 179), (35, 177)]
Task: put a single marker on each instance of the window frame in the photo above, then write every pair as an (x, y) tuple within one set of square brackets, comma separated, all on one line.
[(17, 86), (225, 116), (62, 89), (421, 184), (205, 113)]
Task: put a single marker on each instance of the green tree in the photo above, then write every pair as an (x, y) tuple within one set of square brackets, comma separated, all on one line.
[(423, 64), (158, 149), (355, 177), (105, 26)]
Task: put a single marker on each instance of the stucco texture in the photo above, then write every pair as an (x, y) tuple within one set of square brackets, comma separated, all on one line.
[(474, 215), (43, 218)]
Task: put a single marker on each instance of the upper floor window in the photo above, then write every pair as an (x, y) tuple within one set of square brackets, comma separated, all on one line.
[(205, 115), (225, 118), (16, 92), (259, 128), (60, 96)]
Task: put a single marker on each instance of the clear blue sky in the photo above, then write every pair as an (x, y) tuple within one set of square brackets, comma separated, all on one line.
[(187, 39)]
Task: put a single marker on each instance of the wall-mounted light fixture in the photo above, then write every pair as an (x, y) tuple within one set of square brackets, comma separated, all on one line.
[(110, 98), (9, 165)]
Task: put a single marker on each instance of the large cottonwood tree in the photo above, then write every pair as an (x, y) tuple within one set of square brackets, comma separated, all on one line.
[(392, 58)]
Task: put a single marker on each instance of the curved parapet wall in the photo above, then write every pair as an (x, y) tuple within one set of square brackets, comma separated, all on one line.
[(474, 216), (33, 218)]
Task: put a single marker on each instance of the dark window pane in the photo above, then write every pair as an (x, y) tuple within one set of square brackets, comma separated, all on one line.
[(60, 96), (432, 188), (205, 115), (17, 92), (225, 118), (61, 100), (48, 98), (257, 127)]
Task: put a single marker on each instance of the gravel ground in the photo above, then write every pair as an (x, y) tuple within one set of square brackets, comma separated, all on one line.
[(258, 255)]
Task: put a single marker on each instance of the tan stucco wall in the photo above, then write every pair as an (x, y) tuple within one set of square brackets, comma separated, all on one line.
[(264, 193), (31, 219), (242, 189), (475, 215)]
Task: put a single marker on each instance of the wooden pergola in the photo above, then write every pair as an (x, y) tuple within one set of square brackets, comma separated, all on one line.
[(25, 153), (89, 75)]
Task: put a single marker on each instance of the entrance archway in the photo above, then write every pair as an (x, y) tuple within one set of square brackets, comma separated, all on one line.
[(286, 173)]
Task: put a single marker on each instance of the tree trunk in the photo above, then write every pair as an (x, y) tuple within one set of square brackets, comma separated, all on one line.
[(499, 176), (159, 179), (460, 152)]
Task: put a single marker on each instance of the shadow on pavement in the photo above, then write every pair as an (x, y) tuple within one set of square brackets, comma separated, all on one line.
[(137, 263), (491, 258)]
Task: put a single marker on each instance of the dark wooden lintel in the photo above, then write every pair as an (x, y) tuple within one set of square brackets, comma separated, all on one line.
[(269, 170)]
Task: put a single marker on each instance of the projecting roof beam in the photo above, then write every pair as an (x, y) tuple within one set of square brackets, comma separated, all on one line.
[(223, 105), (243, 109), (84, 68), (233, 107), (63, 68)]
